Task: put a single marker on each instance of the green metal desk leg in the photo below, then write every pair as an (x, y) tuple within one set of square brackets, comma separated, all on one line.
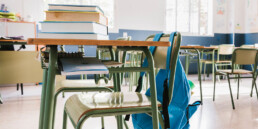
[(155, 118), (115, 89), (199, 72), (50, 88), (120, 118), (213, 65), (186, 64), (42, 102)]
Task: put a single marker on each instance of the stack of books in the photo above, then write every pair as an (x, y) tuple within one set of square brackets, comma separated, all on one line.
[(7, 16), (74, 22)]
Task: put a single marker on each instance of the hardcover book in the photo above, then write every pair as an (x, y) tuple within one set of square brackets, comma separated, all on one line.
[(78, 66), (66, 7), (74, 26), (76, 16), (74, 35)]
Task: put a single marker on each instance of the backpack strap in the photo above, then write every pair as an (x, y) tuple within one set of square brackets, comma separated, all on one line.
[(145, 62), (165, 103), (196, 103)]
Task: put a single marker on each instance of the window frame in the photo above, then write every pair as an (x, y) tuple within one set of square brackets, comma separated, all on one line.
[(209, 26)]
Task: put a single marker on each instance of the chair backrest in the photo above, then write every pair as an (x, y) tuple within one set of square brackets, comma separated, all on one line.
[(256, 45), (124, 38), (247, 46), (244, 56), (160, 57), (226, 49)]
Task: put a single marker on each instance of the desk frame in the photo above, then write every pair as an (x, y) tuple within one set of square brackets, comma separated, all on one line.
[(196, 49), (47, 97)]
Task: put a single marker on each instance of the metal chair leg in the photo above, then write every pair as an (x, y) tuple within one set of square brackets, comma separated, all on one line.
[(238, 76), (64, 120), (232, 99), (161, 121), (21, 88), (199, 73), (17, 86), (204, 71), (253, 83), (186, 65), (256, 89), (102, 123), (214, 88), (1, 101)]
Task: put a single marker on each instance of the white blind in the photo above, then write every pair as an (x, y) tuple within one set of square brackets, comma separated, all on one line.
[(189, 16)]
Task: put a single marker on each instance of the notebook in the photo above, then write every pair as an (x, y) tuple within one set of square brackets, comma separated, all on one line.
[(73, 26), (78, 66), (66, 7)]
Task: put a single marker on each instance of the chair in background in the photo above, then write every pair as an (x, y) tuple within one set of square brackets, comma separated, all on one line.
[(223, 50), (247, 46), (256, 45), (189, 58), (62, 85), (80, 107), (1, 101), (239, 58)]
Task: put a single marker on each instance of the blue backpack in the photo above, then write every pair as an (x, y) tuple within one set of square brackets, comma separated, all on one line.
[(177, 113)]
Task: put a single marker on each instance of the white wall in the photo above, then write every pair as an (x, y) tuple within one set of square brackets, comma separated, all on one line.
[(239, 16), (34, 8), (140, 14)]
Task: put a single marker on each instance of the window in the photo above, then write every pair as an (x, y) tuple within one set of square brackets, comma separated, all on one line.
[(106, 5), (189, 16)]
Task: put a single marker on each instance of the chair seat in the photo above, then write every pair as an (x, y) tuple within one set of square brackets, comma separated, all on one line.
[(61, 84), (236, 71), (105, 104), (221, 61), (112, 63)]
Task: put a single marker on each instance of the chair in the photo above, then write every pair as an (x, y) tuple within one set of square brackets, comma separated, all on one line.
[(256, 45), (1, 101), (62, 85), (239, 58), (247, 46), (82, 106), (223, 50)]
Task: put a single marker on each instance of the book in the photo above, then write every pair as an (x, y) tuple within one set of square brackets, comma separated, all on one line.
[(74, 35), (66, 7), (78, 66), (76, 16), (74, 26)]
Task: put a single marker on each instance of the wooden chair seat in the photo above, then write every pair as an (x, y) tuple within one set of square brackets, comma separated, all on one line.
[(102, 104), (220, 61), (112, 63), (236, 71), (78, 84)]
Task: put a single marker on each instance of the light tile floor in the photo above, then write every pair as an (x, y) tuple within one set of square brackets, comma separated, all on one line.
[(23, 111)]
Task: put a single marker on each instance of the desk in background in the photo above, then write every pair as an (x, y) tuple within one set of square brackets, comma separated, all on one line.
[(19, 66)]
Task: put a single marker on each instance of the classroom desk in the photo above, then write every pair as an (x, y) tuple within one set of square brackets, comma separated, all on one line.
[(11, 42), (47, 96), (197, 50), (214, 49)]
